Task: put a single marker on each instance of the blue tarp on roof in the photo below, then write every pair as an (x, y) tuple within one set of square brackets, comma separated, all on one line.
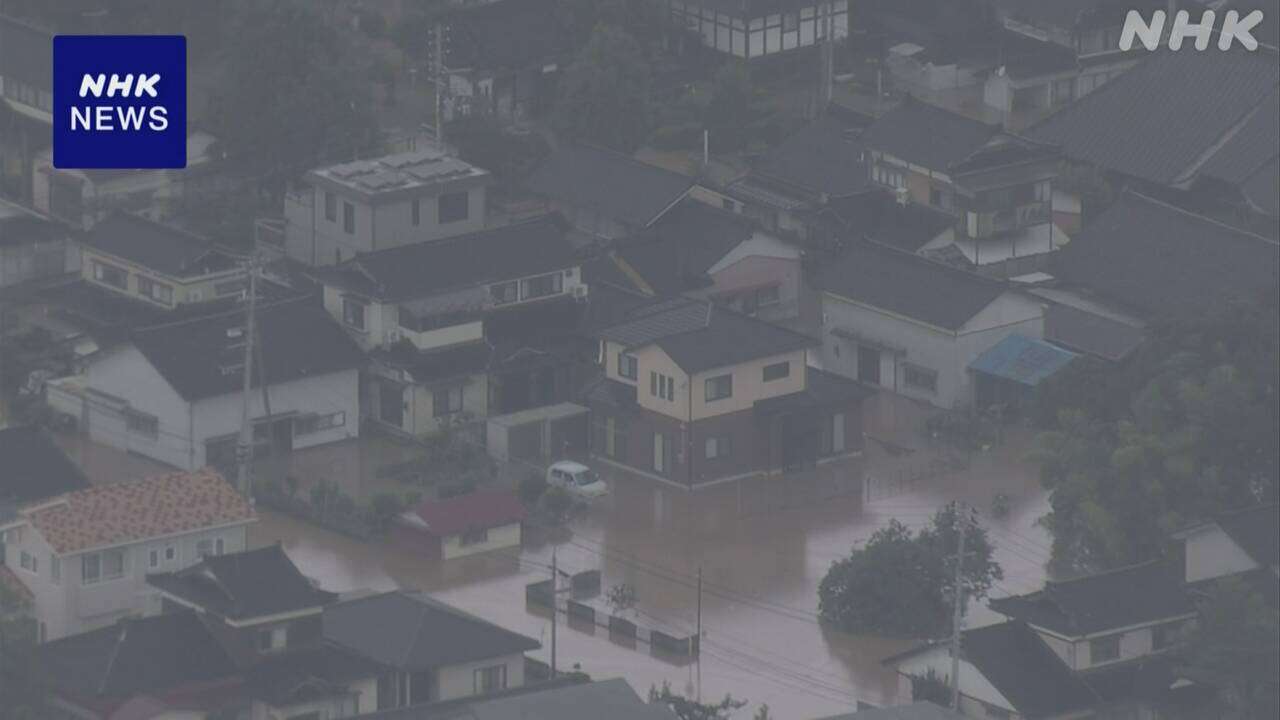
[(1022, 360)]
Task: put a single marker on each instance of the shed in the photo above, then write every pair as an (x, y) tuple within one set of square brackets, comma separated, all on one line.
[(464, 525)]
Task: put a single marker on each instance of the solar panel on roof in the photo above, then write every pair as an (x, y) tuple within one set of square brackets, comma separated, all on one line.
[(352, 169), (404, 160), (382, 180), (446, 167)]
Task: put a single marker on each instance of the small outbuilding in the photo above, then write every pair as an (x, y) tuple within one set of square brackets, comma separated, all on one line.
[(464, 525)]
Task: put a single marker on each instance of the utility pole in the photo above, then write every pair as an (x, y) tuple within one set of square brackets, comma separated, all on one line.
[(244, 446), (698, 656), (957, 612), (441, 80), (555, 609)]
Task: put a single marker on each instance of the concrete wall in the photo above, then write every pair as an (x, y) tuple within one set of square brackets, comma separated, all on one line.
[(948, 353), (456, 681), (1211, 553), (499, 537)]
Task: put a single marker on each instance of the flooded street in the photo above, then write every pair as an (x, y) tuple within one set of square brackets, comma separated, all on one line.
[(763, 547)]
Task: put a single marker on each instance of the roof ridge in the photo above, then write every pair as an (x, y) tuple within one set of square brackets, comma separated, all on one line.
[(1104, 573), (1198, 216), (262, 305)]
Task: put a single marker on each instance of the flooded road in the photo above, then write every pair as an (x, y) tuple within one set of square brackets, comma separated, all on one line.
[(763, 547)]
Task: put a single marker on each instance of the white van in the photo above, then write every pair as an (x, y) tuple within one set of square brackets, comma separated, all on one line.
[(577, 478)]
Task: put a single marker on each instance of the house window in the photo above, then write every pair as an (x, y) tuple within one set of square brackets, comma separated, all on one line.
[(110, 275), (920, 378), (230, 287), (716, 447), (170, 553), (353, 313), (160, 292), (762, 297), (1103, 649), (628, 366), (446, 401), (888, 176), (503, 293), (141, 423), (330, 207), (415, 212), (719, 387), (55, 569), (542, 286), (452, 207), (29, 562), (209, 546), (100, 566), (474, 537), (153, 559), (317, 423), (776, 371), (1164, 636), (348, 218), (662, 386), (490, 679)]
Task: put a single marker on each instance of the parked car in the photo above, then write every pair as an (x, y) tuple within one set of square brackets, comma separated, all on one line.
[(577, 478)]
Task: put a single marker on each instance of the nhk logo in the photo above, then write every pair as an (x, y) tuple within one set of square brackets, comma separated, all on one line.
[(119, 101), (1234, 28)]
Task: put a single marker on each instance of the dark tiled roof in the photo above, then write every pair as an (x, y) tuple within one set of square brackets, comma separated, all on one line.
[(909, 285), (249, 584), (921, 710), (674, 254), (512, 34), (561, 699), (22, 227), (25, 53), (482, 509), (614, 185), (136, 656), (1013, 658), (822, 157), (33, 467), (162, 248), (1091, 333), (439, 364), (532, 247), (298, 340), (877, 215), (1110, 600), (926, 135), (821, 389), (699, 336), (413, 632), (1159, 259), (1257, 531), (1168, 115), (305, 674)]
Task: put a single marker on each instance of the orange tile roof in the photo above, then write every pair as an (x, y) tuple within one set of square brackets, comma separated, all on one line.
[(126, 512)]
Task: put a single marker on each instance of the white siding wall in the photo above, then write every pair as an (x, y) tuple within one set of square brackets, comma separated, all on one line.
[(972, 683), (501, 537), (1210, 553), (126, 374), (455, 681)]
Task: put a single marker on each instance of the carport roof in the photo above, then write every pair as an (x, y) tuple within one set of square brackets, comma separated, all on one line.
[(1022, 360)]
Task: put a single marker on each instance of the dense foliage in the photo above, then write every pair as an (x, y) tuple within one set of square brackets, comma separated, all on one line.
[(1186, 428), (900, 583), (687, 709), (1236, 646), (604, 93)]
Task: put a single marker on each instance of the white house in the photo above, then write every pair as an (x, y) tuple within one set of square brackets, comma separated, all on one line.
[(756, 29), (84, 556), (173, 392), (914, 326), (386, 202), (1232, 543)]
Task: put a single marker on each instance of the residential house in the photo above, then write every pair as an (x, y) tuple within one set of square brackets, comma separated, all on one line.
[(464, 327), (796, 178), (32, 248), (694, 393), (605, 193), (159, 264), (554, 700), (342, 210), (922, 710), (882, 215), (81, 198), (702, 251), (1152, 259), (463, 525), (999, 186), (1198, 128), (902, 322), (1233, 543), (26, 102), (173, 391), (1052, 53), (84, 555), (503, 58), (431, 651), (761, 28)]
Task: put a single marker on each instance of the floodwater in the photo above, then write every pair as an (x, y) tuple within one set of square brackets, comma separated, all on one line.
[(763, 547)]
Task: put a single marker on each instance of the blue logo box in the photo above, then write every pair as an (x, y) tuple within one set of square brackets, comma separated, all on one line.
[(119, 101)]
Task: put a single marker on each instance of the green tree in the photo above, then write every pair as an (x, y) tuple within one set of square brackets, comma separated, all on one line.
[(604, 93), (24, 692), (687, 709), (292, 96), (734, 113), (900, 584), (1235, 647)]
